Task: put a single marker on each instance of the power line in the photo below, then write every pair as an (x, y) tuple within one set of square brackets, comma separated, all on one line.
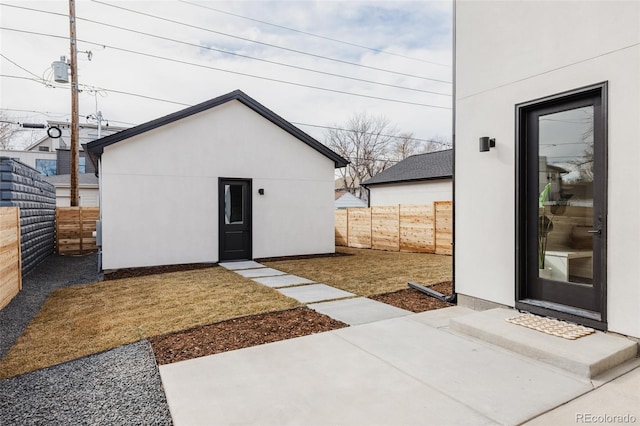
[(316, 35), (179, 103), (98, 88), (199, 46), (263, 60), (17, 65), (269, 44), (370, 133), (231, 72)]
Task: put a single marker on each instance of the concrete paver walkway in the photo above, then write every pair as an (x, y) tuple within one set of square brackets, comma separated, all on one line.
[(359, 310), (321, 297), (314, 293)]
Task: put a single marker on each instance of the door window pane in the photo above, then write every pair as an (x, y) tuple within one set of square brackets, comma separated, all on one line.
[(565, 185), (233, 204)]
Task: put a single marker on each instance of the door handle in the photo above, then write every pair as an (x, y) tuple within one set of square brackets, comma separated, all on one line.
[(594, 231)]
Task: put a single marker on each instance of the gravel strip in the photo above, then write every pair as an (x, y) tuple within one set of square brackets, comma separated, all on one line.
[(54, 272), (120, 386)]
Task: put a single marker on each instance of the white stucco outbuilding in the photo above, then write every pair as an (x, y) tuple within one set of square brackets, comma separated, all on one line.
[(418, 179), (546, 220), (226, 179)]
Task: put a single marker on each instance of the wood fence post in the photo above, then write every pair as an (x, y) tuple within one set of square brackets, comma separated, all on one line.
[(81, 229), (19, 249), (57, 230)]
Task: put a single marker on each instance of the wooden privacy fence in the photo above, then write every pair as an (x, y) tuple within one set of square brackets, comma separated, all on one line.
[(10, 261), (74, 229), (408, 228)]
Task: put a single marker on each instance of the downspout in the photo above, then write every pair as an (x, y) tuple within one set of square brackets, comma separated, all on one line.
[(99, 213), (453, 143), (426, 290), (368, 195)]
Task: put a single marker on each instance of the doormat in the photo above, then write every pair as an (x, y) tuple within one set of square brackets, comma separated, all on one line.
[(551, 326)]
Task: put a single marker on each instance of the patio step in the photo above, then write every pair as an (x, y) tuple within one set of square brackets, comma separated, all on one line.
[(588, 356)]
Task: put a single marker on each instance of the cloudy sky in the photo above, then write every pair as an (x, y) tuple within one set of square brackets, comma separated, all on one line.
[(315, 63)]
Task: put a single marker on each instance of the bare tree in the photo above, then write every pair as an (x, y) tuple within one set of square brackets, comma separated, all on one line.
[(405, 146), (7, 131), (366, 142)]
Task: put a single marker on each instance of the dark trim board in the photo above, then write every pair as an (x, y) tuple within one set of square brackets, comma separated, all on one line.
[(589, 319), (523, 300), (235, 240)]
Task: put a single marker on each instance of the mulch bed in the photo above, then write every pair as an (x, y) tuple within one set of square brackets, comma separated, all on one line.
[(153, 270), (256, 330), (415, 301), (241, 333), (301, 257)]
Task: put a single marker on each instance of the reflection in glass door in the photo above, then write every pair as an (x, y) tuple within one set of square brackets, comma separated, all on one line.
[(565, 202), (561, 209)]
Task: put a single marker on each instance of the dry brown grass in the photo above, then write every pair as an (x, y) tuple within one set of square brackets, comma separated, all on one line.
[(82, 320), (369, 272)]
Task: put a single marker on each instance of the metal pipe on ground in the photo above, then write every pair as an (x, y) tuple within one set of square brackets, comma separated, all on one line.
[(431, 292)]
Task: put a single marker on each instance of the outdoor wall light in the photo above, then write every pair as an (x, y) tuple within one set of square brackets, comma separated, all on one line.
[(261, 191), (486, 143)]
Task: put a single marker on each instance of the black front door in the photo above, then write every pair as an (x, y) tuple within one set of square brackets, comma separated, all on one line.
[(234, 216), (562, 206)]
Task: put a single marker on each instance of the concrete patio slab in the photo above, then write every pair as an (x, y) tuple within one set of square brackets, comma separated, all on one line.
[(314, 380), (314, 293), (260, 272), (440, 318), (617, 402), (504, 386), (587, 356), (245, 264), (359, 310), (282, 281)]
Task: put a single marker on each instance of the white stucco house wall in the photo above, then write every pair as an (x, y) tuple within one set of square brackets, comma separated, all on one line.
[(557, 85), (226, 179), (418, 179)]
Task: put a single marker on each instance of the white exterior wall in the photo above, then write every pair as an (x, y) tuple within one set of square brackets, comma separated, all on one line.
[(160, 190), (88, 196), (29, 157), (425, 192), (517, 51)]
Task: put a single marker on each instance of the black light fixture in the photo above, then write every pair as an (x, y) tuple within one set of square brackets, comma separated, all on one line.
[(486, 143)]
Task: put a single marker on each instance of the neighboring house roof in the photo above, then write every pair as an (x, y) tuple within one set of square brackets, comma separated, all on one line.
[(65, 134), (96, 147), (62, 180), (348, 200), (432, 165)]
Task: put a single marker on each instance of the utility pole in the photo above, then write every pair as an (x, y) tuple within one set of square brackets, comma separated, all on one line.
[(75, 127)]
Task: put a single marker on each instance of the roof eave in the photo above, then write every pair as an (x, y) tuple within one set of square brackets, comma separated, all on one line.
[(365, 184), (97, 147)]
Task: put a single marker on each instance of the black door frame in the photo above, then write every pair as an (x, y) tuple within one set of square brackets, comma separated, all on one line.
[(248, 220), (523, 301)]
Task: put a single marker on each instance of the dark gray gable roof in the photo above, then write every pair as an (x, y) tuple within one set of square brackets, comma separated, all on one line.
[(96, 147), (432, 165)]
